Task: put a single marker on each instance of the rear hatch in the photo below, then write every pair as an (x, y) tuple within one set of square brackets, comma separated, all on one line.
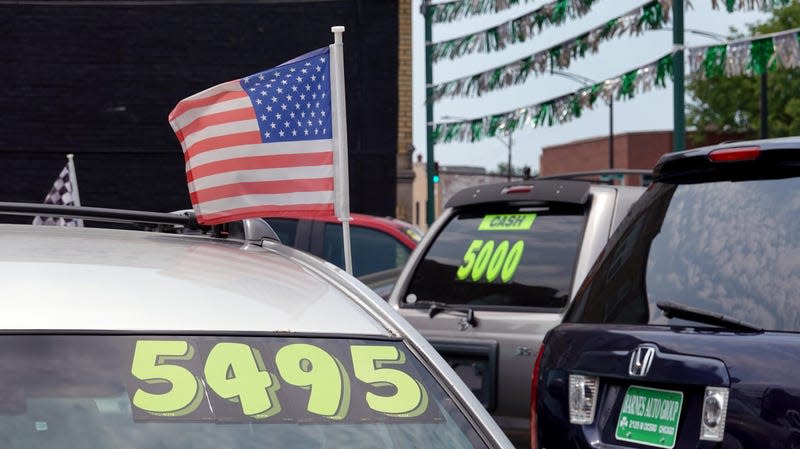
[(685, 333), (663, 407)]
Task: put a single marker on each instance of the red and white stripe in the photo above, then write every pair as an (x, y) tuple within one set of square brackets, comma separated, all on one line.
[(233, 175)]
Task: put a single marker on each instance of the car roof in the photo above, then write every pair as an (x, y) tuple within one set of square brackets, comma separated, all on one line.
[(110, 279), (390, 225)]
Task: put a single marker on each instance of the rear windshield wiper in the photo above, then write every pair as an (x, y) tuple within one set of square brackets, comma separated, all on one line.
[(434, 307), (675, 310)]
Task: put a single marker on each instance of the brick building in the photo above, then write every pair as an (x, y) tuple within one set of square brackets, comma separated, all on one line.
[(635, 150)]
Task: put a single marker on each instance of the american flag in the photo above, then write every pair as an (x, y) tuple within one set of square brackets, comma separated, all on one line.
[(261, 145), (60, 194)]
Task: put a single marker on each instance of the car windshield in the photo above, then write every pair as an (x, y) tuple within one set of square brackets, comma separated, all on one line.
[(729, 248), (126, 391), (512, 257)]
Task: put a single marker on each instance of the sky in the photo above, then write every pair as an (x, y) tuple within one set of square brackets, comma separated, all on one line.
[(647, 111)]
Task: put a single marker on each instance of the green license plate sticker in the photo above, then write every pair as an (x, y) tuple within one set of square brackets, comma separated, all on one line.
[(650, 416), (507, 222)]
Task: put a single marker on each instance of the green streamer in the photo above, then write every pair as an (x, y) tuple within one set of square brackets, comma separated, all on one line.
[(575, 106), (436, 133), (494, 123), (628, 86), (652, 15), (609, 27), (452, 131), (544, 114), (580, 45), (664, 68), (761, 51), (555, 54), (559, 12), (714, 62), (477, 130), (729, 5), (495, 77), (594, 93)]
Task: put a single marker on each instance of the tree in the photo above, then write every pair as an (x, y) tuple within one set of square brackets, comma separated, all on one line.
[(502, 169), (731, 105)]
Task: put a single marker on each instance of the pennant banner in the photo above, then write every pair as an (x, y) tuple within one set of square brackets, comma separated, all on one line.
[(459, 9), (516, 30), (561, 109), (650, 16), (746, 57), (749, 5)]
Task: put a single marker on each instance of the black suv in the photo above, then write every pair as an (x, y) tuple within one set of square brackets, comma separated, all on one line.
[(686, 331)]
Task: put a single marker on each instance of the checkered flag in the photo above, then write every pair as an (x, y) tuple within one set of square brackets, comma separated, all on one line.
[(64, 192)]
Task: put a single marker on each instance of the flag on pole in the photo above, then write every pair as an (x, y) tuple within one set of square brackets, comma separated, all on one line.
[(64, 193), (261, 145)]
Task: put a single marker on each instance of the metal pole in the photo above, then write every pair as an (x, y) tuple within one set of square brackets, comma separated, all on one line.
[(611, 133), (427, 11), (764, 106), (509, 156), (679, 118)]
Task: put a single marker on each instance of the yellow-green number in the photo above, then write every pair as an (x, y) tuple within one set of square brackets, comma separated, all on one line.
[(482, 261), (512, 261), (150, 365), (496, 263), (312, 368), (236, 372), (491, 260), (369, 365), (469, 260)]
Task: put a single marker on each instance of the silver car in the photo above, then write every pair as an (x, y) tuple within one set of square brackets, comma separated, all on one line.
[(494, 274), (114, 338)]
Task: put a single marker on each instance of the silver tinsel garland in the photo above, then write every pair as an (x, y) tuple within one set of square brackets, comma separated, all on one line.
[(556, 57), (548, 113), (515, 30), (739, 58)]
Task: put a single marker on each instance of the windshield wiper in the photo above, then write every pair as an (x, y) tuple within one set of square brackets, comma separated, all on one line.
[(675, 310), (434, 307)]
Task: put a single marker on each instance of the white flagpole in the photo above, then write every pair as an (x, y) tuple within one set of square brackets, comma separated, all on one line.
[(73, 179), (342, 181)]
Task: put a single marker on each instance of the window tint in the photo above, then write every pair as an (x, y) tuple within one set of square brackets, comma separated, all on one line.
[(207, 392), (513, 257), (725, 247), (286, 228), (372, 250)]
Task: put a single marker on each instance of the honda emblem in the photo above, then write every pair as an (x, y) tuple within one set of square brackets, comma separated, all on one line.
[(641, 359)]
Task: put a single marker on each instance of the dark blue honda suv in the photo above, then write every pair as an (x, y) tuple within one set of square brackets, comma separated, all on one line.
[(686, 331)]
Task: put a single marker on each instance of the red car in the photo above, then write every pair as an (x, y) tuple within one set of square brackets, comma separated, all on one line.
[(378, 243)]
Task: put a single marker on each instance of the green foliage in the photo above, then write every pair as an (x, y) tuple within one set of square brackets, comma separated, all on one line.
[(502, 169), (732, 105)]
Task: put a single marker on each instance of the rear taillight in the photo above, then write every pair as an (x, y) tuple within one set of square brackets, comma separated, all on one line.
[(534, 387), (582, 398), (715, 410), (734, 154)]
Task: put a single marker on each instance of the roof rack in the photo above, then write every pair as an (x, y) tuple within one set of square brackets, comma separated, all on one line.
[(253, 230), (596, 173)]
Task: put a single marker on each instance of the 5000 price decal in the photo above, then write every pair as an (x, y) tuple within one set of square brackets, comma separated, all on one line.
[(485, 260), (236, 372)]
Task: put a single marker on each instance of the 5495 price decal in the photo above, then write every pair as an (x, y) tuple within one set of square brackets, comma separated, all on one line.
[(172, 381), (489, 260)]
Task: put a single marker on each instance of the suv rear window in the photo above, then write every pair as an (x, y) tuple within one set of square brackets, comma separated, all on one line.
[(121, 391), (725, 247), (520, 257)]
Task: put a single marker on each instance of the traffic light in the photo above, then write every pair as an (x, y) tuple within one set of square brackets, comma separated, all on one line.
[(435, 172)]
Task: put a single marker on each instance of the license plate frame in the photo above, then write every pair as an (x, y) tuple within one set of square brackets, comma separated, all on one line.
[(650, 416)]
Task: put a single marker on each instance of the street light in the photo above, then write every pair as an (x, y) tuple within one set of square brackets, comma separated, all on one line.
[(590, 82), (508, 144)]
